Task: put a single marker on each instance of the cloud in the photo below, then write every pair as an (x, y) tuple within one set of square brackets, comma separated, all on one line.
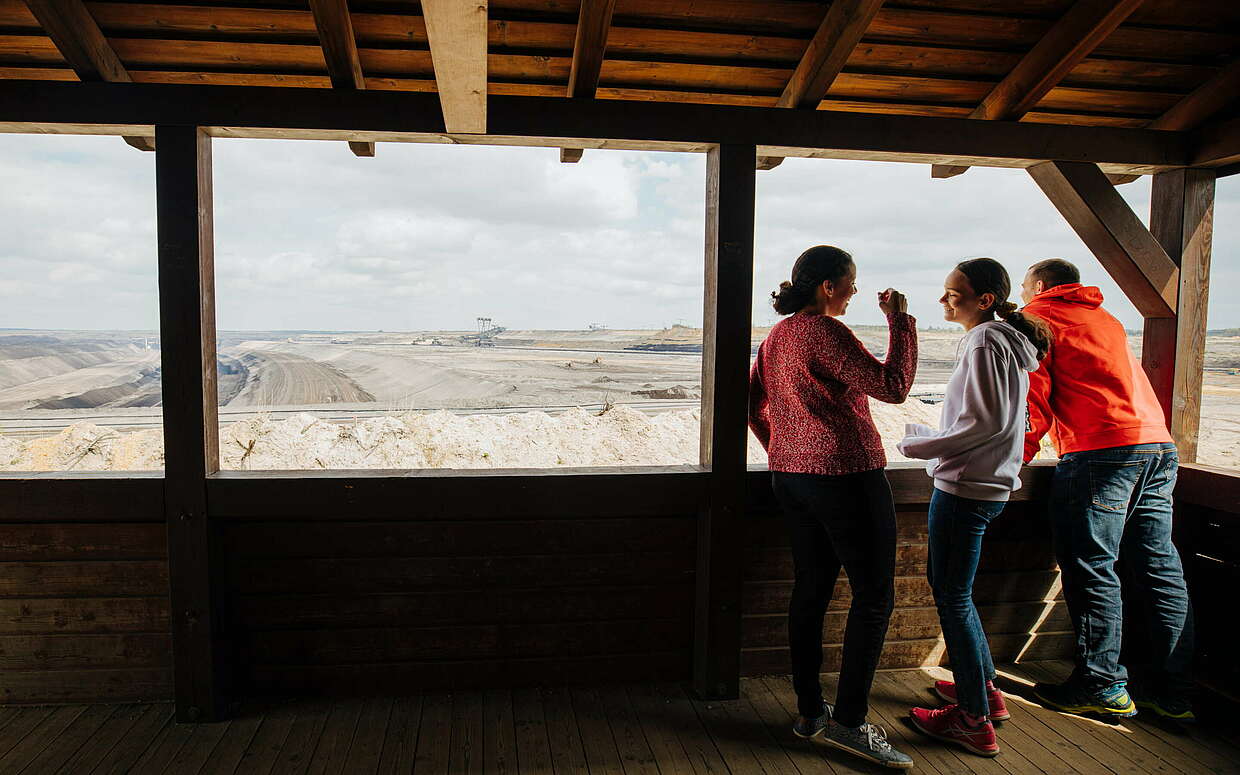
[(432, 236)]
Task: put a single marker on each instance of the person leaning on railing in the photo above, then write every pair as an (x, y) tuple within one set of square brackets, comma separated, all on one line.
[(1111, 497), (809, 406)]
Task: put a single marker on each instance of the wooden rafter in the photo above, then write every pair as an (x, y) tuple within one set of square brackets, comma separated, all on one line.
[(457, 33), (331, 18), (593, 23), (80, 41), (1077, 33), (1113, 233), (838, 34), (1189, 113)]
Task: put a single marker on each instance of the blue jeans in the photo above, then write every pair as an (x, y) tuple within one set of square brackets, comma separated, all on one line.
[(1112, 503), (956, 528)]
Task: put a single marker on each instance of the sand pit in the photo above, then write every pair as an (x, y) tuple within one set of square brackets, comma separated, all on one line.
[(621, 436)]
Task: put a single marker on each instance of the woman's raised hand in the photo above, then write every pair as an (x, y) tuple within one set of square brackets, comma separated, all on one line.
[(891, 300)]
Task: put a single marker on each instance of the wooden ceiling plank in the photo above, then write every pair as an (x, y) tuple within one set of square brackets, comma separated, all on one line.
[(833, 43), (1189, 113), (335, 28), (457, 33), (77, 36), (589, 45), (1077, 33)]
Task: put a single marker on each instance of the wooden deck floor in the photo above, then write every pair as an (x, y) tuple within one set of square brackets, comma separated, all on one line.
[(629, 730)]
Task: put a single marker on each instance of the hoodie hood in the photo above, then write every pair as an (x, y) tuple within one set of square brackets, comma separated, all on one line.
[(1006, 336), (1074, 293)]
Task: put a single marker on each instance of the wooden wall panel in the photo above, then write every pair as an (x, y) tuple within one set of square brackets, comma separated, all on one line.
[(83, 591)]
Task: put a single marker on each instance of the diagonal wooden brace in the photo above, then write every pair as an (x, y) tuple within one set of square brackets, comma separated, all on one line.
[(1113, 233)]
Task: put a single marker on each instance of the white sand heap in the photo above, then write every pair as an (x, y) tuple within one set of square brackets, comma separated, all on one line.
[(619, 436)]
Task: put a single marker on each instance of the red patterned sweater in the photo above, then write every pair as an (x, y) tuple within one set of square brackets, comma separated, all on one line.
[(808, 388)]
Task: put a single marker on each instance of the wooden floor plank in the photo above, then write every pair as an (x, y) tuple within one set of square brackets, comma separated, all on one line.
[(654, 718), (77, 734), (146, 730), (1137, 741), (636, 757), (163, 749), (264, 748), (201, 744), (499, 754), (741, 738), (226, 757), (333, 748), (530, 730), (466, 754), (109, 734), (303, 738), (367, 746), (704, 755), (563, 735), (434, 735), (37, 740), (808, 756), (400, 744), (602, 757), (26, 720)]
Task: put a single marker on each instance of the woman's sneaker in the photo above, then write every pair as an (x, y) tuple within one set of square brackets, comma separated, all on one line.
[(998, 708), (809, 727), (1071, 697), (949, 725), (869, 741)]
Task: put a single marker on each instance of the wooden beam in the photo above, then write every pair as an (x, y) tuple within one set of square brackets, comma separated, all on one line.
[(191, 425), (1077, 33), (1189, 113), (457, 33), (1173, 352), (335, 28), (593, 24), (1217, 145), (80, 41), (27, 106), (730, 179), (1113, 233), (838, 34)]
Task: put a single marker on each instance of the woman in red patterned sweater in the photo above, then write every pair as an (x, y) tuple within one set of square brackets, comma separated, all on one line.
[(809, 406)]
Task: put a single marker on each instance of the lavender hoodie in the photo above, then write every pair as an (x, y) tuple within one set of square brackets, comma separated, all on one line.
[(978, 452)]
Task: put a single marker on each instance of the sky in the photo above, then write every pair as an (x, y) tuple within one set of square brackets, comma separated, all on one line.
[(308, 236)]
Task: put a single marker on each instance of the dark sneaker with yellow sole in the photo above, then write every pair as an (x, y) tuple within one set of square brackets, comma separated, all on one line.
[(1169, 708), (1071, 697)]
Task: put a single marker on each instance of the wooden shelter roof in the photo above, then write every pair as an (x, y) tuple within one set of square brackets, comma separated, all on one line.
[(917, 57)]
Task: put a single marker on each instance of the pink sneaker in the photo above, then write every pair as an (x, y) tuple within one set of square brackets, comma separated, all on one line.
[(998, 709), (948, 724)]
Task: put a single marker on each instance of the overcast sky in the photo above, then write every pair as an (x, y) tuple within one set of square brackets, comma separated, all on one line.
[(432, 236)]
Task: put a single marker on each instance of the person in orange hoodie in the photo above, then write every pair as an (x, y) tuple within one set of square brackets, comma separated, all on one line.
[(1111, 497)]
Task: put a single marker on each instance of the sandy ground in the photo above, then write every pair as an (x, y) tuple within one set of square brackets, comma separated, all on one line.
[(332, 400)]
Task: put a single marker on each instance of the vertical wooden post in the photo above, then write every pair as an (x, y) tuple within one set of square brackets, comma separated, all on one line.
[(1173, 349), (191, 430), (730, 173)]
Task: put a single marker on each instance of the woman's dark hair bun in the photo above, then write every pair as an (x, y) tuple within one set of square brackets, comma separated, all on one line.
[(819, 264)]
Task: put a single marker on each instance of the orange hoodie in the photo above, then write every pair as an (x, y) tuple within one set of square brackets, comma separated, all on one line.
[(1090, 392)]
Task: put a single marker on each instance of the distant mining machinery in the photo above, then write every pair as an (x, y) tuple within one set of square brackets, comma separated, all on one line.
[(487, 331)]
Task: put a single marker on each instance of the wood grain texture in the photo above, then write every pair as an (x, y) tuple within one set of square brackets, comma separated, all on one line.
[(1113, 233), (730, 192), (335, 29), (457, 33), (191, 425)]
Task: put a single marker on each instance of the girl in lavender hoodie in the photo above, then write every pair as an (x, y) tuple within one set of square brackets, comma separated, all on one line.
[(975, 460)]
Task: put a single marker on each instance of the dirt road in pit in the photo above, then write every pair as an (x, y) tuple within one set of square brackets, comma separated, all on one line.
[(282, 378)]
